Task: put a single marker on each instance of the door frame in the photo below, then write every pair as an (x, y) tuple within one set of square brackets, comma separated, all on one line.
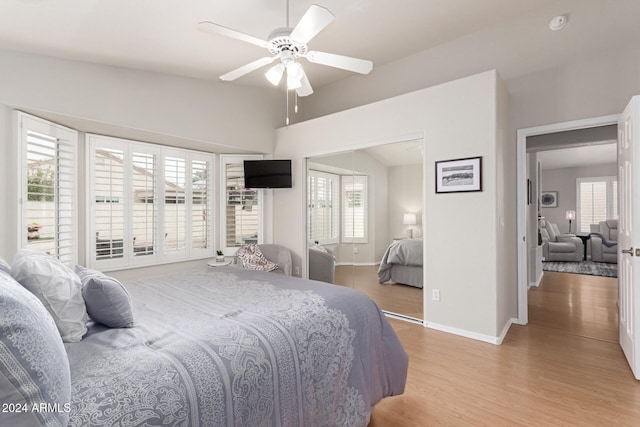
[(521, 185)]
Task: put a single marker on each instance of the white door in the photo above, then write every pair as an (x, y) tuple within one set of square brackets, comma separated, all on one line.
[(629, 233)]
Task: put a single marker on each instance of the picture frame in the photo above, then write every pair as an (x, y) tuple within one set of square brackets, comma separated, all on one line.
[(549, 199), (459, 175)]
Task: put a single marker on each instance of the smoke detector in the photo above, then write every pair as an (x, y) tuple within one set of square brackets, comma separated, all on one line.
[(558, 22)]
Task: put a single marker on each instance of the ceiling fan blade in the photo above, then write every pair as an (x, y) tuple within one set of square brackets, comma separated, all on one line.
[(313, 21), (246, 69), (356, 65), (305, 89), (213, 28)]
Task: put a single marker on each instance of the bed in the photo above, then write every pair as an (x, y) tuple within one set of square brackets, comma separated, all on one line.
[(402, 263), (219, 346)]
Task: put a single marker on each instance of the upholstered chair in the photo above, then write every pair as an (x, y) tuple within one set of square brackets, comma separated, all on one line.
[(559, 247), (322, 265), (604, 243)]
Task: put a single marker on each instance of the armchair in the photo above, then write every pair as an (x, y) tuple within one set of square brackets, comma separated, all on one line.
[(322, 265), (559, 247), (604, 242)]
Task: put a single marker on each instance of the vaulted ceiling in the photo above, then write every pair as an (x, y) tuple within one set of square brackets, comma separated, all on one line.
[(161, 36)]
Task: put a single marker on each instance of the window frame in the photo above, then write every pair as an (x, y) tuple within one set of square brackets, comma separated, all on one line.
[(224, 160), (611, 195), (344, 206), (335, 210), (68, 138), (160, 255)]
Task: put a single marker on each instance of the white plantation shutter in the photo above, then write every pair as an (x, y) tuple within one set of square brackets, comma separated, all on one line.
[(597, 201), (48, 190), (242, 210), (109, 203), (323, 207), (144, 205), (174, 205), (200, 197), (149, 204), (354, 209)]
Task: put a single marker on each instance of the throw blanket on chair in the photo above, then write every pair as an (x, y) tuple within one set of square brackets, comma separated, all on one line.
[(605, 241)]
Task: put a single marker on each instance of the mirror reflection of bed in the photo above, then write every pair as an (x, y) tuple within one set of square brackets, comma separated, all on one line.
[(362, 204)]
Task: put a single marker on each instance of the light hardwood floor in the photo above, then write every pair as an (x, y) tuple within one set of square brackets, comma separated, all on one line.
[(564, 368)]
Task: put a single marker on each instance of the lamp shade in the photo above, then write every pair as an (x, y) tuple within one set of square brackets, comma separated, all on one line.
[(571, 215), (409, 219)]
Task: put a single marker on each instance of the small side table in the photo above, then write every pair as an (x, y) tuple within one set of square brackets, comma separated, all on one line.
[(214, 263), (584, 237)]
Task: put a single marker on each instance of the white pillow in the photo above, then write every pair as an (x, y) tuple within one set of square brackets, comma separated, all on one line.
[(57, 287)]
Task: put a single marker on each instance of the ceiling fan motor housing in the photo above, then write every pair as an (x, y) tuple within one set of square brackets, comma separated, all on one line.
[(279, 41)]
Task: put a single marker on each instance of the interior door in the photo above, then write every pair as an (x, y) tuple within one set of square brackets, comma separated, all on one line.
[(629, 233)]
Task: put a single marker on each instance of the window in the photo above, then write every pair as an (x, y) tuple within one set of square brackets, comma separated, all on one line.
[(354, 209), (48, 167), (242, 207), (597, 201), (150, 204), (323, 207)]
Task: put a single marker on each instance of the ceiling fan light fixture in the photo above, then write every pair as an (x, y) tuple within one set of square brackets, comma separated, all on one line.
[(274, 74), (294, 69), (294, 82)]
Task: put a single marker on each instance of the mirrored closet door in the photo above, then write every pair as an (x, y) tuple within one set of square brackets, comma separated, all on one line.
[(364, 223)]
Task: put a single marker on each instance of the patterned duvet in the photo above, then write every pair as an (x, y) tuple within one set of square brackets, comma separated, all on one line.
[(233, 347)]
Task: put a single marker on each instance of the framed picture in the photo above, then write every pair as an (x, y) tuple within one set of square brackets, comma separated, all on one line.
[(455, 176), (549, 199)]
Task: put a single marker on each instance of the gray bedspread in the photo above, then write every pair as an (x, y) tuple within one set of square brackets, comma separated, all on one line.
[(403, 252), (230, 347)]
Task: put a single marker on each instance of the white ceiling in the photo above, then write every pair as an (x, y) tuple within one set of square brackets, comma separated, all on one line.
[(572, 157), (160, 35)]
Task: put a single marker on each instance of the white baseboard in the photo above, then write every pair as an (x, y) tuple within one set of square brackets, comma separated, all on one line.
[(473, 335), (356, 264)]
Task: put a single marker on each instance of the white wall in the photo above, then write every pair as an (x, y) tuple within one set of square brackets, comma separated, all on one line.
[(406, 197), (457, 119)]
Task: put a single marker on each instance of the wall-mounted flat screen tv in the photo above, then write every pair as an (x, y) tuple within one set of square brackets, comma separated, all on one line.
[(267, 174)]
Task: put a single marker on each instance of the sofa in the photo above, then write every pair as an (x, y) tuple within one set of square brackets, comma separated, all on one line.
[(604, 241), (557, 246)]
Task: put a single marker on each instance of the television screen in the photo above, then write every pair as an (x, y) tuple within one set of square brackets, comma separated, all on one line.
[(267, 173)]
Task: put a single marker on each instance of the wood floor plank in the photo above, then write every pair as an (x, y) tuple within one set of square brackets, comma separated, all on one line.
[(565, 368)]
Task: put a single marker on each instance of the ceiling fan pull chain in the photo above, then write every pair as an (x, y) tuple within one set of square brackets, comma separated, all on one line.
[(286, 93)]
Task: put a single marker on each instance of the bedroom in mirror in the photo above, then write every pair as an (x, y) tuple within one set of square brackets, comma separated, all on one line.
[(364, 223)]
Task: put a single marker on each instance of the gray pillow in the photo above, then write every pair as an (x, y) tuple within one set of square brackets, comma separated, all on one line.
[(34, 368), (107, 301), (4, 266), (57, 287)]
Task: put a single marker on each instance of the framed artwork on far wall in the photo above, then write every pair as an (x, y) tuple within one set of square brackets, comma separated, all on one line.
[(549, 199), (459, 175)]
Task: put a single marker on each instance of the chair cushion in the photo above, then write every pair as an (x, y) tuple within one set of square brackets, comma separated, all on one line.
[(562, 247)]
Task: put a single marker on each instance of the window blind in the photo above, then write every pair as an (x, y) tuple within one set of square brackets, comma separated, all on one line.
[(323, 207), (354, 211), (597, 201), (48, 168), (242, 209)]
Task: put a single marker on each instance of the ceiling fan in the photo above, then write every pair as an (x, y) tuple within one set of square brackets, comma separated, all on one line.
[(287, 45)]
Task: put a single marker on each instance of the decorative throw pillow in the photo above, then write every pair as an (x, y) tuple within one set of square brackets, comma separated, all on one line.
[(251, 258), (57, 287), (4, 266), (108, 302), (34, 368)]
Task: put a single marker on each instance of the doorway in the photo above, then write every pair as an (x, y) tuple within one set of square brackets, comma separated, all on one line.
[(523, 213)]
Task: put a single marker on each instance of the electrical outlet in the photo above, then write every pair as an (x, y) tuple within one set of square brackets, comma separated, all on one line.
[(355, 249), (296, 271), (436, 295)]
